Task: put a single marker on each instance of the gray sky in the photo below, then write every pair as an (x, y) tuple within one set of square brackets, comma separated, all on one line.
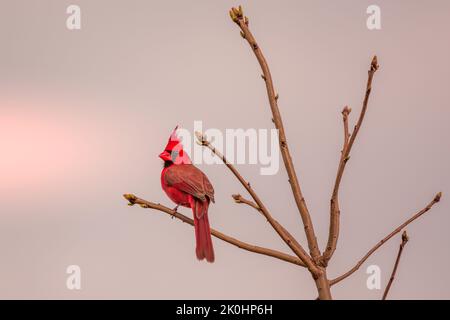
[(84, 114)]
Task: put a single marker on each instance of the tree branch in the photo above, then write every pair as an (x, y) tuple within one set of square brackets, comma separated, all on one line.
[(240, 199), (405, 239), (238, 17), (132, 199), (345, 113), (436, 199), (287, 238), (345, 156)]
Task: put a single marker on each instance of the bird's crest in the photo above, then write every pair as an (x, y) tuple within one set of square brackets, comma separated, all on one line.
[(174, 141), (175, 147)]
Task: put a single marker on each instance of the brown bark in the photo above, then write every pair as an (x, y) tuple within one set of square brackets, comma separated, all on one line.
[(345, 156), (323, 286), (132, 199), (287, 238), (405, 239), (238, 17)]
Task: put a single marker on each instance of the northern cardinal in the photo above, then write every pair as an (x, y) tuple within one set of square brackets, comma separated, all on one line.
[(188, 186)]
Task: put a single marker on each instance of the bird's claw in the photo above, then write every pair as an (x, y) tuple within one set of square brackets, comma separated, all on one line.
[(175, 209)]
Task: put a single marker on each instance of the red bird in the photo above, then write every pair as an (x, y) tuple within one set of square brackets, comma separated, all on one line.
[(188, 186)]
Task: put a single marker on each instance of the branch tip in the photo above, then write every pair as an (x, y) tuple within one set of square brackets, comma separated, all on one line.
[(201, 138), (233, 17), (405, 237), (237, 198), (437, 198), (346, 111), (236, 14), (131, 198), (374, 65)]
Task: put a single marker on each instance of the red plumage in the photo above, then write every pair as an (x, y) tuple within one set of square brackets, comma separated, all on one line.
[(188, 186)]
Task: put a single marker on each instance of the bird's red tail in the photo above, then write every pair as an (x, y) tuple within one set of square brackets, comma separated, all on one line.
[(204, 247)]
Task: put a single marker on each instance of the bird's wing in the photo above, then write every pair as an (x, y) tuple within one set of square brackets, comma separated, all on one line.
[(189, 179), (208, 187)]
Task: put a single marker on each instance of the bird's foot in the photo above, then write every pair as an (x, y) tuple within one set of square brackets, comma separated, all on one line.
[(175, 209)]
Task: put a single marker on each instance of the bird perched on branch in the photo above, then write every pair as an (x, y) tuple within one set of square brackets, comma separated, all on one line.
[(188, 186)]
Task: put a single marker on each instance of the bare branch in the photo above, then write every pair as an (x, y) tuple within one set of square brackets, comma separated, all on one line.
[(238, 17), (240, 199), (345, 113), (345, 156), (132, 199), (287, 238), (405, 239), (436, 199)]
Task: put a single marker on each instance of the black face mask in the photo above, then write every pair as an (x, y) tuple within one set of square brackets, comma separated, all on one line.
[(167, 164)]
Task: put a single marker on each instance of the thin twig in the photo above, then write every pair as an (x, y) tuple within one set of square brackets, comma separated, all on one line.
[(238, 17), (132, 199), (436, 199), (287, 238), (240, 199), (405, 239), (345, 113), (345, 156)]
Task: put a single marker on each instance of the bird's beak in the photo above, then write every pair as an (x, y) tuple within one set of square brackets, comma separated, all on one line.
[(165, 156)]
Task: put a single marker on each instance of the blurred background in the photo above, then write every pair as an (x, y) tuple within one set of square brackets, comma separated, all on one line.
[(85, 113)]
